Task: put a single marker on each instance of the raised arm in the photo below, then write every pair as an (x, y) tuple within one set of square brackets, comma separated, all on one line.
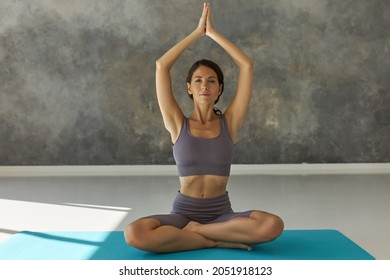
[(236, 111), (171, 112)]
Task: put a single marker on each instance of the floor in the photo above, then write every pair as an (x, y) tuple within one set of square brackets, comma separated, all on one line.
[(355, 204)]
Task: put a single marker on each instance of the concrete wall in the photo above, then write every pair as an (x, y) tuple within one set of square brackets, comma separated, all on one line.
[(77, 79)]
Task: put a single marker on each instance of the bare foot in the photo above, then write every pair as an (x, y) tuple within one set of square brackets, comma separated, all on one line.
[(223, 244), (191, 226)]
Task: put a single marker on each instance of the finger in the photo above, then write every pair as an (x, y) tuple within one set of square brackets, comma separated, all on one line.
[(204, 12), (207, 6), (203, 17), (208, 11), (208, 19)]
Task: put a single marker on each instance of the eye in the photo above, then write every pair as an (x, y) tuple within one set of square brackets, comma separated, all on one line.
[(212, 81), (198, 81)]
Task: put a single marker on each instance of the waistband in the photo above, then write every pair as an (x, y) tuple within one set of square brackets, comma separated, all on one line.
[(201, 208), (206, 200)]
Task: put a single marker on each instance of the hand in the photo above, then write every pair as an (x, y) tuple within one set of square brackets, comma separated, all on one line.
[(205, 26), (203, 20), (209, 25)]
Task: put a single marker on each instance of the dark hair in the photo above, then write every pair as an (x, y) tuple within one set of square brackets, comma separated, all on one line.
[(217, 70)]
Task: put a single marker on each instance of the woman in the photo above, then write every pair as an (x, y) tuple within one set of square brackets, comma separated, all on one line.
[(203, 149)]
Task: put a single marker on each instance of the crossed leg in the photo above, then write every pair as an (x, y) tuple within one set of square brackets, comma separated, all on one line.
[(260, 227), (147, 234)]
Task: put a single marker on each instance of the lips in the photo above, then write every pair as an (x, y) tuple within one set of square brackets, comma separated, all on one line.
[(204, 93)]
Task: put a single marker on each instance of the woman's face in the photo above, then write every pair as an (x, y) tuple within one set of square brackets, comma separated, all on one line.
[(204, 86)]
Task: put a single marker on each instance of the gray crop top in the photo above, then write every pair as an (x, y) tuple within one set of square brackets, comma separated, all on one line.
[(203, 156)]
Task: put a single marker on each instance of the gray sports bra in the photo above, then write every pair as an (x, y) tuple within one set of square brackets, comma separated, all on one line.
[(203, 156)]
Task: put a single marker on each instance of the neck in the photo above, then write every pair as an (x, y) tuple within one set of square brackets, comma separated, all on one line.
[(203, 114)]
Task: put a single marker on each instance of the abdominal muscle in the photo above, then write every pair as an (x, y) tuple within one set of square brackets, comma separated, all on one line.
[(203, 186)]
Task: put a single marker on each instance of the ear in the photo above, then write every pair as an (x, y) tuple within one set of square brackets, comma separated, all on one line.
[(189, 88)]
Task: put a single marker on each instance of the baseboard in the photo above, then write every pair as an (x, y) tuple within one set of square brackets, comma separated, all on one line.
[(170, 170), (312, 169)]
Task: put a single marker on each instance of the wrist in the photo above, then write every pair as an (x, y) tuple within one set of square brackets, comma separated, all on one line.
[(198, 33), (212, 34)]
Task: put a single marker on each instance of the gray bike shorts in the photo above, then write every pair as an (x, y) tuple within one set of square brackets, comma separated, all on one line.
[(202, 210)]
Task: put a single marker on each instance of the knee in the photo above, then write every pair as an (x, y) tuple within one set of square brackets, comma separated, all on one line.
[(274, 227), (130, 235), (269, 227), (135, 237)]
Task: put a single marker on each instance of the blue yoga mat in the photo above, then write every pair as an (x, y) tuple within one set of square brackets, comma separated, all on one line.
[(110, 245)]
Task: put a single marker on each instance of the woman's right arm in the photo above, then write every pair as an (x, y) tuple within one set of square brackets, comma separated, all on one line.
[(170, 110)]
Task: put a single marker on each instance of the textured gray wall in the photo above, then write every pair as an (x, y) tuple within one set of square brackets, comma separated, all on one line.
[(77, 79)]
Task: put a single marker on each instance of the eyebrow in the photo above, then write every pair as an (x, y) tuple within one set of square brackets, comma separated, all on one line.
[(202, 77)]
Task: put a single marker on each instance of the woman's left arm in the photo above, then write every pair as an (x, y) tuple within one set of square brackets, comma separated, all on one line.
[(236, 111)]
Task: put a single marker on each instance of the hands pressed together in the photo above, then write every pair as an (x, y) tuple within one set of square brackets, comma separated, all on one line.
[(205, 26)]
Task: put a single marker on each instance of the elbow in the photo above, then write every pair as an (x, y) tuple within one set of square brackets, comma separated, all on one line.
[(250, 63), (158, 64), (161, 64), (247, 64)]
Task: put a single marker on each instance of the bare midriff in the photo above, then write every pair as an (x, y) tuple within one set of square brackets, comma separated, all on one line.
[(203, 186)]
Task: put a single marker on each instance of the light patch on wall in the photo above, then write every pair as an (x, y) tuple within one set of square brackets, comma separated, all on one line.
[(272, 103)]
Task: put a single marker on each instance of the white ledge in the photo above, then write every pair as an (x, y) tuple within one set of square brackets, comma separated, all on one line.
[(170, 170)]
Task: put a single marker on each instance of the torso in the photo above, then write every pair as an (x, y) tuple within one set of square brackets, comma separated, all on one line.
[(204, 186), (209, 130)]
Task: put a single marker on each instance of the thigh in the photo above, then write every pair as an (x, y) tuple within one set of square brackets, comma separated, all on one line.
[(271, 222), (231, 216), (261, 215), (175, 220)]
